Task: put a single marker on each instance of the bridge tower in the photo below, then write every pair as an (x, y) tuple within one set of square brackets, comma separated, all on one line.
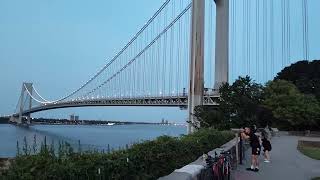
[(196, 81), (222, 43), (196, 75), (26, 90)]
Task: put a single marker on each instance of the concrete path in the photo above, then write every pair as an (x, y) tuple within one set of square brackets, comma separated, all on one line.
[(286, 163)]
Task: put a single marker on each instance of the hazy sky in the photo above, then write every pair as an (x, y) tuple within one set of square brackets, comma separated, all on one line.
[(59, 44)]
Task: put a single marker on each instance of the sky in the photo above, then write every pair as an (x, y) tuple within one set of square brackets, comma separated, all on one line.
[(58, 45)]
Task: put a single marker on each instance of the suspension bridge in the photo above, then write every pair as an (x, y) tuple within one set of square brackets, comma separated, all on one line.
[(185, 51)]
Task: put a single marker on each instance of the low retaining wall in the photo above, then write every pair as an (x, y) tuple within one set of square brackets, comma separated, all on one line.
[(196, 170), (309, 143), (301, 133)]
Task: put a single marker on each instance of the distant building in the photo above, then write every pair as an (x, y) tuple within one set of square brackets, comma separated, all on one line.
[(74, 117), (162, 121), (167, 122)]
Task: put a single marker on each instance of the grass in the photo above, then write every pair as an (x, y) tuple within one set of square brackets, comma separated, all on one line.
[(310, 149), (312, 152)]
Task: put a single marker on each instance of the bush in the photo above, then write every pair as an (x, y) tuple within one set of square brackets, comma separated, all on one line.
[(147, 160)]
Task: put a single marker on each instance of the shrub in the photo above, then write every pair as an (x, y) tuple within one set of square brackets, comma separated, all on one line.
[(147, 160)]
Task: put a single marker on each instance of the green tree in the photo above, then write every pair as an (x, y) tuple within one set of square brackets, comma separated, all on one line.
[(211, 117), (292, 109), (238, 105), (305, 75), (240, 101), (264, 116)]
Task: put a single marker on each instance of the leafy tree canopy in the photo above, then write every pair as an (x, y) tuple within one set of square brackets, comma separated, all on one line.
[(292, 109), (238, 105), (305, 75), (239, 102)]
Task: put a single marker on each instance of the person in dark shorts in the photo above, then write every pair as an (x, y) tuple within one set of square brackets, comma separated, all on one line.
[(249, 133), (266, 146)]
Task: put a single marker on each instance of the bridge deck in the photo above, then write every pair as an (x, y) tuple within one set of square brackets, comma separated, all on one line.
[(168, 101)]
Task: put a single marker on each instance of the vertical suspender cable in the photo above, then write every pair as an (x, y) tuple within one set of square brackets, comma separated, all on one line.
[(285, 32), (231, 41), (264, 26), (187, 54), (158, 60), (305, 29), (282, 32), (178, 79), (272, 36), (244, 49), (143, 66), (234, 40), (164, 74), (249, 36), (257, 39), (288, 31), (171, 46)]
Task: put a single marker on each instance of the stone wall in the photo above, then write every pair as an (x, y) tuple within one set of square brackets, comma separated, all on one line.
[(197, 169)]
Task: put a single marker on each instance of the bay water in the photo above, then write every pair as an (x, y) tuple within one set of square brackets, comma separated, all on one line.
[(90, 136)]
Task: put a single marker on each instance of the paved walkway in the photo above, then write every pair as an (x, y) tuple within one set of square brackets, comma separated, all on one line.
[(286, 163)]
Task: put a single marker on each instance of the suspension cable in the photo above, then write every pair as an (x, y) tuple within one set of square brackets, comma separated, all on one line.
[(118, 54), (27, 90), (146, 48)]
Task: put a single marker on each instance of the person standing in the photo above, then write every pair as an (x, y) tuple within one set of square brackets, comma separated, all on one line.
[(266, 146), (254, 139)]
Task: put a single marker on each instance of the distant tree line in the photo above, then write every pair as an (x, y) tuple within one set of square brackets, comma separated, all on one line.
[(4, 120), (290, 102)]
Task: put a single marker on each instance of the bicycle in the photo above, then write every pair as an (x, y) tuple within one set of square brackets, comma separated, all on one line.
[(226, 164), (218, 167)]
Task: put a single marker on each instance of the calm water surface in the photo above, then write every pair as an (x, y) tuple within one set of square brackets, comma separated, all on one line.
[(91, 137)]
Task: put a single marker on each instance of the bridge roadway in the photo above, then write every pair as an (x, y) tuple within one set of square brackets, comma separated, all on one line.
[(164, 101)]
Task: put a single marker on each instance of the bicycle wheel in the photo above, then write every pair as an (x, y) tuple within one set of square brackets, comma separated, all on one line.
[(216, 172), (229, 170), (207, 174)]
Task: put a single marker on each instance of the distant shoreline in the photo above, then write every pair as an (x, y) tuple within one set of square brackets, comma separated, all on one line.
[(44, 121)]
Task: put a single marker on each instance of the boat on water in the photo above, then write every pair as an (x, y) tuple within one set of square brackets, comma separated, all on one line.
[(110, 124)]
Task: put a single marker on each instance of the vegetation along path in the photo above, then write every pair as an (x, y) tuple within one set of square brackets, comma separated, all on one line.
[(287, 162)]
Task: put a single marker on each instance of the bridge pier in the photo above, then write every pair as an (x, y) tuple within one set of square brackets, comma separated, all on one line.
[(29, 119), (14, 119), (196, 81)]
